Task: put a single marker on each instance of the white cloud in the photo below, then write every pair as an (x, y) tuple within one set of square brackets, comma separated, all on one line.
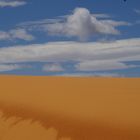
[(83, 24), (137, 11), (53, 68), (103, 16), (10, 67), (80, 74), (4, 35), (21, 34), (138, 22), (80, 24), (11, 3), (100, 56), (102, 65), (16, 34)]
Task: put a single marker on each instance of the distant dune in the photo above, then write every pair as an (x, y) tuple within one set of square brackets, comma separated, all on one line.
[(62, 108)]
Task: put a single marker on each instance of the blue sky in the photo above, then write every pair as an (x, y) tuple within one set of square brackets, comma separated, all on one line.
[(70, 37)]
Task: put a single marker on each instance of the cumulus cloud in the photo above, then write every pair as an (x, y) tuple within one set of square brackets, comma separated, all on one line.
[(88, 56), (21, 34), (11, 3), (53, 68), (83, 24), (80, 24)]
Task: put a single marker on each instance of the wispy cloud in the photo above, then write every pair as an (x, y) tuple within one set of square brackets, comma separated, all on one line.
[(102, 65), (53, 68), (13, 34), (80, 74), (10, 67), (137, 11), (11, 3), (102, 16), (88, 56)]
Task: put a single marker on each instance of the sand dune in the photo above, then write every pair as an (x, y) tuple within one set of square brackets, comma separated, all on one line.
[(57, 108)]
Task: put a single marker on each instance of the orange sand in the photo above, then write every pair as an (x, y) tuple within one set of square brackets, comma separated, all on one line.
[(60, 108)]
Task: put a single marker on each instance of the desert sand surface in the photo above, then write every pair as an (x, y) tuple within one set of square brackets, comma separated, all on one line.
[(67, 108)]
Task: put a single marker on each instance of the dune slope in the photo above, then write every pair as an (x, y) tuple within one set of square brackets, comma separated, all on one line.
[(61, 108)]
